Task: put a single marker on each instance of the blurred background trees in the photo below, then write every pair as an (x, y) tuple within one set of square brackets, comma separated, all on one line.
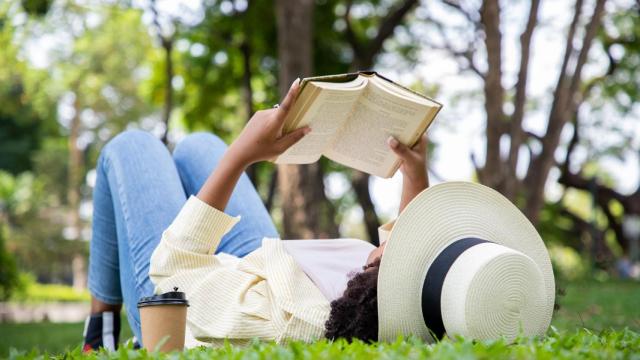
[(75, 73)]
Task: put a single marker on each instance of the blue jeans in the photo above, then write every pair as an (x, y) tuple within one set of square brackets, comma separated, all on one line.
[(140, 188)]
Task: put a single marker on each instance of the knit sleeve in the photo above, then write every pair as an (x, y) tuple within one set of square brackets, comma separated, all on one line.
[(385, 230), (189, 242)]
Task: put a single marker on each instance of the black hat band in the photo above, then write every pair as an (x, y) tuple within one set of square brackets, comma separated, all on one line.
[(432, 286)]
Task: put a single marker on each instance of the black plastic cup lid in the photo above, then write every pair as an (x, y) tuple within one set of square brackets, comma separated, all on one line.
[(174, 297)]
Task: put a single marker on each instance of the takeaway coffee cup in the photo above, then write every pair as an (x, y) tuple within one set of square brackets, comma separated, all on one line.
[(163, 320)]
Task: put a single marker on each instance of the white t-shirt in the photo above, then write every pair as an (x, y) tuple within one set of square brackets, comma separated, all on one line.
[(329, 263)]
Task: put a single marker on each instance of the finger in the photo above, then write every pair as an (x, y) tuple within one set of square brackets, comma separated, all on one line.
[(400, 149), (289, 99), (421, 143), (293, 137), (421, 146)]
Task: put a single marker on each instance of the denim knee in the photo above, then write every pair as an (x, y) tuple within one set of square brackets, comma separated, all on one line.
[(199, 144), (123, 143)]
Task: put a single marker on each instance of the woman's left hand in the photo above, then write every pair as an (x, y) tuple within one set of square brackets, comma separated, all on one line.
[(263, 138)]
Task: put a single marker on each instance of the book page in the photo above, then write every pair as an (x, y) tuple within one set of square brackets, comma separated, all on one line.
[(378, 114), (325, 115)]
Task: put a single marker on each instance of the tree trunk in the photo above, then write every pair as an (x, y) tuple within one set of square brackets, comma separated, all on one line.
[(78, 263), (492, 172), (167, 45), (247, 92), (307, 213), (271, 192), (360, 184), (563, 107), (498, 171)]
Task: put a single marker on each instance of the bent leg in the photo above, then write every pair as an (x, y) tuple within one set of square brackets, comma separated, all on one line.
[(104, 264), (196, 157), (136, 170)]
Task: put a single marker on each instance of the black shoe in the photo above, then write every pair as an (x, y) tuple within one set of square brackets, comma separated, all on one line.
[(101, 330), (134, 343)]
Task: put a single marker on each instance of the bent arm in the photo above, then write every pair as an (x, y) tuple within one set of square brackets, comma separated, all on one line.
[(411, 188), (415, 177), (217, 190), (197, 230), (188, 243), (261, 139)]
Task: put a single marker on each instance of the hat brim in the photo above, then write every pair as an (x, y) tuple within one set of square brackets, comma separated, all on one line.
[(434, 219)]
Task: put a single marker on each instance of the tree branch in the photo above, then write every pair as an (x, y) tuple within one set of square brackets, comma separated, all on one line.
[(352, 39), (602, 191), (521, 90), (387, 26), (167, 44), (472, 18), (560, 91), (589, 35), (575, 138), (616, 226), (466, 54)]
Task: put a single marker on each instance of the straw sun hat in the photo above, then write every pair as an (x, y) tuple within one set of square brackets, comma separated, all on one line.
[(463, 260)]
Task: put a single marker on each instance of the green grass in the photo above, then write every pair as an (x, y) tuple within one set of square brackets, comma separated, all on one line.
[(607, 313), (581, 344), (46, 336), (597, 306)]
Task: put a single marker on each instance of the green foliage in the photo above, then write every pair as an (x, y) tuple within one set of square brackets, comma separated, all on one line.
[(567, 262), (210, 60), (555, 228), (19, 196), (34, 292), (612, 95), (95, 82), (105, 69), (620, 37), (583, 344), (36, 7), (51, 163), (25, 106), (33, 232), (9, 279)]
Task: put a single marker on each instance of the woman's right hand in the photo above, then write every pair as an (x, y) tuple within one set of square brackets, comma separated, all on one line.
[(262, 138)]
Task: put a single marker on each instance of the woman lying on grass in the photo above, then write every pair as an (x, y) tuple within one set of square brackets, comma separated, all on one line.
[(194, 221)]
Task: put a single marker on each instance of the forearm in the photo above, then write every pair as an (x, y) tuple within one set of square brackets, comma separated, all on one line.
[(217, 190), (411, 188)]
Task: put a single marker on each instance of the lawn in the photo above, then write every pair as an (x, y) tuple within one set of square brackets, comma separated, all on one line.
[(601, 310)]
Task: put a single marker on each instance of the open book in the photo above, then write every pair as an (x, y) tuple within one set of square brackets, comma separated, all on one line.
[(352, 116)]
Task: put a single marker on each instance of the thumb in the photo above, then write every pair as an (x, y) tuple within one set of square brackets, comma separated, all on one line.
[(293, 137), (398, 148)]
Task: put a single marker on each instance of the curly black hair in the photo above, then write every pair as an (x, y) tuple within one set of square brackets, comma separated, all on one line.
[(355, 314)]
